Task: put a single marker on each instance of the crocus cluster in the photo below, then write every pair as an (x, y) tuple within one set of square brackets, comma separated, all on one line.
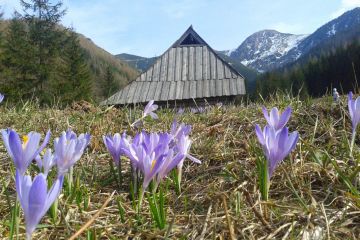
[(1, 97), (34, 197), (275, 139), (154, 155)]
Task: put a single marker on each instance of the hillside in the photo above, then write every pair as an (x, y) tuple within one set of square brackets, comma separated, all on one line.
[(98, 60), (312, 195), (137, 62)]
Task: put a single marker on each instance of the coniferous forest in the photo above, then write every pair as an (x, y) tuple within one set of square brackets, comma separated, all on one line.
[(41, 59), (338, 68)]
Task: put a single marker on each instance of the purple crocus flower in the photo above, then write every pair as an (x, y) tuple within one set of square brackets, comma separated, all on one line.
[(194, 110), (180, 111), (151, 167), (354, 110), (275, 119), (219, 104), (116, 145), (169, 163), (177, 130), (68, 149), (147, 153), (47, 162), (1, 97), (201, 109), (23, 152), (149, 110), (276, 145), (35, 199), (72, 135), (182, 147), (182, 140)]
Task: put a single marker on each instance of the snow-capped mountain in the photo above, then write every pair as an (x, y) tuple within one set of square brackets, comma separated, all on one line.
[(269, 49), (264, 49)]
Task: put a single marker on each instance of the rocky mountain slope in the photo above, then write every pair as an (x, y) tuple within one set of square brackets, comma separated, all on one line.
[(262, 50), (269, 49)]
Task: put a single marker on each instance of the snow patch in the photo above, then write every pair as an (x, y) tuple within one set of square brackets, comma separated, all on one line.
[(332, 30), (229, 52), (248, 62)]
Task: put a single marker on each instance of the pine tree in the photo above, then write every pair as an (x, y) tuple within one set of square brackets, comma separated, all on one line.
[(1, 36), (1, 46), (45, 36), (17, 60), (74, 83), (110, 86)]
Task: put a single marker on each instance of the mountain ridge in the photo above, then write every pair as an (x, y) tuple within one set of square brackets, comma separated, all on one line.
[(264, 50)]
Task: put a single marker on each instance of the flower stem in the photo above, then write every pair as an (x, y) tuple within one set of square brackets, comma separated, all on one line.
[(120, 174), (70, 179), (141, 196), (352, 142)]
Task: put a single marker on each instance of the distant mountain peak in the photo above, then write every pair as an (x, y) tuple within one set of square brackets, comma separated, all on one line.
[(264, 47), (270, 49)]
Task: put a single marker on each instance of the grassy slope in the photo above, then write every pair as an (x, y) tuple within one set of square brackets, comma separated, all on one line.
[(99, 59), (221, 193)]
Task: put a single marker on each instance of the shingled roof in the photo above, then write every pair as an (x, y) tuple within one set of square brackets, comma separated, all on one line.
[(189, 69)]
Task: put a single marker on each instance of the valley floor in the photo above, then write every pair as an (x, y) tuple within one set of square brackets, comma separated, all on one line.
[(310, 196)]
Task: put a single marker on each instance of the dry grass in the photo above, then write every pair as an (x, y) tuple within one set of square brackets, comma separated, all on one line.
[(219, 198)]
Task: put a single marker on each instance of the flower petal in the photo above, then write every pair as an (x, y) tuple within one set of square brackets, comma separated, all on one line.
[(259, 134), (37, 200), (53, 193), (17, 151), (285, 116), (274, 117)]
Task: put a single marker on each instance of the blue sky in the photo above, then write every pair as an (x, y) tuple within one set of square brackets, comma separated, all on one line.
[(148, 27)]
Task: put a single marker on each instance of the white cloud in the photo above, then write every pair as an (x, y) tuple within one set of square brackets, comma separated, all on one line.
[(345, 6)]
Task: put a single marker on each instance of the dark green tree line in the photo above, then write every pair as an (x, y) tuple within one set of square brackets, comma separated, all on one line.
[(335, 69), (41, 58)]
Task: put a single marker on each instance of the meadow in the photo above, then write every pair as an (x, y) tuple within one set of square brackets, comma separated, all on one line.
[(314, 193)]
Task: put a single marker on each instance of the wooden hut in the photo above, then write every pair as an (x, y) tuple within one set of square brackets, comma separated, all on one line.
[(189, 71)]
